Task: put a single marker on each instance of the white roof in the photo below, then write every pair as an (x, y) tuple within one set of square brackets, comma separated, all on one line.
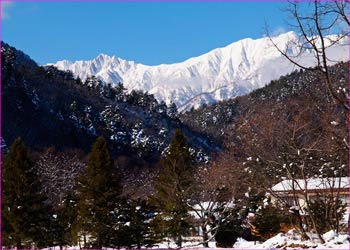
[(312, 184)]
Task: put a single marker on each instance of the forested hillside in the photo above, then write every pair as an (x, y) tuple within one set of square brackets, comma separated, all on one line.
[(98, 166)]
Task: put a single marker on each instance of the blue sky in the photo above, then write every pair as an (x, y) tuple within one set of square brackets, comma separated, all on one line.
[(149, 33)]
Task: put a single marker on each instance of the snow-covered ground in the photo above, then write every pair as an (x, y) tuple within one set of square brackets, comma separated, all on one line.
[(292, 240), (289, 240)]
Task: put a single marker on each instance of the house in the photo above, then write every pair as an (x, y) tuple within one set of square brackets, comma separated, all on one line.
[(295, 192)]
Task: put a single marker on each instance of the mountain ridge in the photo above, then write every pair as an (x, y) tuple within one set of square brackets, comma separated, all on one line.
[(220, 74)]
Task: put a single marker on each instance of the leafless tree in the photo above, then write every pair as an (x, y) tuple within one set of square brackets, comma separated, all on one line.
[(320, 159), (304, 142), (218, 189), (314, 25), (58, 172)]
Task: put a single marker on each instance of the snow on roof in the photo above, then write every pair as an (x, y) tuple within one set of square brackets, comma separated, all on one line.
[(204, 205), (312, 184)]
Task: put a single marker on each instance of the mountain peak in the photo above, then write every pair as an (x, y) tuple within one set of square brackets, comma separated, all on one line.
[(103, 57)]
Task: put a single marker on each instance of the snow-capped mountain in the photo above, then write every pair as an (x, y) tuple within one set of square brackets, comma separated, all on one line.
[(222, 73)]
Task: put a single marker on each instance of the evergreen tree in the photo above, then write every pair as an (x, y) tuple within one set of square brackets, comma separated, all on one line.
[(162, 108), (99, 195), (78, 81), (229, 231), (174, 188), (120, 88), (25, 215), (119, 92), (267, 222), (172, 111), (137, 225), (62, 219), (108, 91)]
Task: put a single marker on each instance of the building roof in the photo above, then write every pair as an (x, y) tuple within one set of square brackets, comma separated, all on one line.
[(312, 184)]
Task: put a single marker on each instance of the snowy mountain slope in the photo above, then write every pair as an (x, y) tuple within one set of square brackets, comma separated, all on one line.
[(220, 74)]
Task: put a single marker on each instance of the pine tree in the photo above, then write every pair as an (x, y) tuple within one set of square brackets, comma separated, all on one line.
[(140, 226), (162, 108), (78, 81), (174, 188), (119, 92), (62, 219), (172, 111), (24, 213), (99, 193), (229, 230)]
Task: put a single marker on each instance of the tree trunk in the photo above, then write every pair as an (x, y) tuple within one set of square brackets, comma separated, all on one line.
[(304, 236), (311, 215), (99, 241), (205, 236), (18, 243), (179, 241), (85, 241)]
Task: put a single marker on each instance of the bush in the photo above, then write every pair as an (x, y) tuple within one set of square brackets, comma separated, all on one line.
[(327, 213), (229, 231), (267, 222)]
